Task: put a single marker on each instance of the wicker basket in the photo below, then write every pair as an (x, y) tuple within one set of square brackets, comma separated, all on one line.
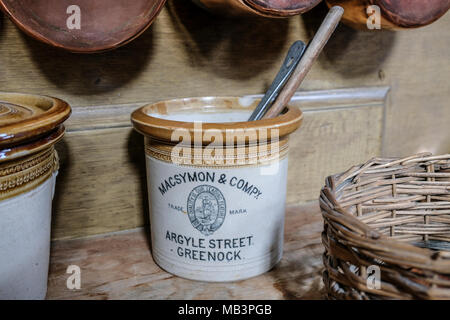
[(388, 220)]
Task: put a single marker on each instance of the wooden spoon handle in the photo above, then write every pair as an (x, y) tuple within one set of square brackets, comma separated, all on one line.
[(312, 52)]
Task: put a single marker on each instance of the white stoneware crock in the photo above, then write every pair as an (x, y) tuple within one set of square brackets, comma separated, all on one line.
[(29, 127), (216, 214)]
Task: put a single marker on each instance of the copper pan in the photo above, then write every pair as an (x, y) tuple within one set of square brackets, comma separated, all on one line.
[(265, 8), (394, 14), (83, 25)]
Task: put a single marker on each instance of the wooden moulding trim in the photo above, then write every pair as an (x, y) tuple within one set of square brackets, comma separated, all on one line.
[(338, 98), (118, 116)]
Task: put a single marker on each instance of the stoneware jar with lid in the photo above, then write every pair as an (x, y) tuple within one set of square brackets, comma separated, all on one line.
[(30, 125)]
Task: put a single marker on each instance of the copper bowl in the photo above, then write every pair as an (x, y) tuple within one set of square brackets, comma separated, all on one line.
[(265, 8), (395, 14), (104, 24)]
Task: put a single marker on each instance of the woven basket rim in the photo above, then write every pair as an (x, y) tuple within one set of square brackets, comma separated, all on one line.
[(438, 261)]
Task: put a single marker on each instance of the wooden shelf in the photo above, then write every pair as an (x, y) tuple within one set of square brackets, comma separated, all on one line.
[(120, 266)]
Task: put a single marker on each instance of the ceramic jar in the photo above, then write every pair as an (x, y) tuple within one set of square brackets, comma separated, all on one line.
[(29, 127), (217, 186)]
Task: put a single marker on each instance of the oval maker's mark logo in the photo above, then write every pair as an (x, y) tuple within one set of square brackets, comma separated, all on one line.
[(206, 209)]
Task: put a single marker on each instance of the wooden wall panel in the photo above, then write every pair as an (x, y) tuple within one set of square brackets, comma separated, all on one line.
[(189, 52), (101, 184), (102, 187), (330, 142)]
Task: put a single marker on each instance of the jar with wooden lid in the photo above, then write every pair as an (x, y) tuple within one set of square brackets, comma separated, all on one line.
[(30, 125)]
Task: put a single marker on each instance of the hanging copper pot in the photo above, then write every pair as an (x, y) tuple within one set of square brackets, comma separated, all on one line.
[(265, 8), (394, 14), (83, 25)]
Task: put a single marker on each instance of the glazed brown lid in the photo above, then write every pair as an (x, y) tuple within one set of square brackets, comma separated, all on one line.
[(31, 147), (104, 24), (412, 13), (157, 120), (25, 119)]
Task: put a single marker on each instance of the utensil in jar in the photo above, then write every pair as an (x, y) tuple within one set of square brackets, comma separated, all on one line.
[(312, 52), (290, 62)]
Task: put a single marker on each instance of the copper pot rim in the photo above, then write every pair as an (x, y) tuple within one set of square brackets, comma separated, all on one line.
[(79, 49), (163, 129), (257, 7), (403, 20), (356, 17)]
